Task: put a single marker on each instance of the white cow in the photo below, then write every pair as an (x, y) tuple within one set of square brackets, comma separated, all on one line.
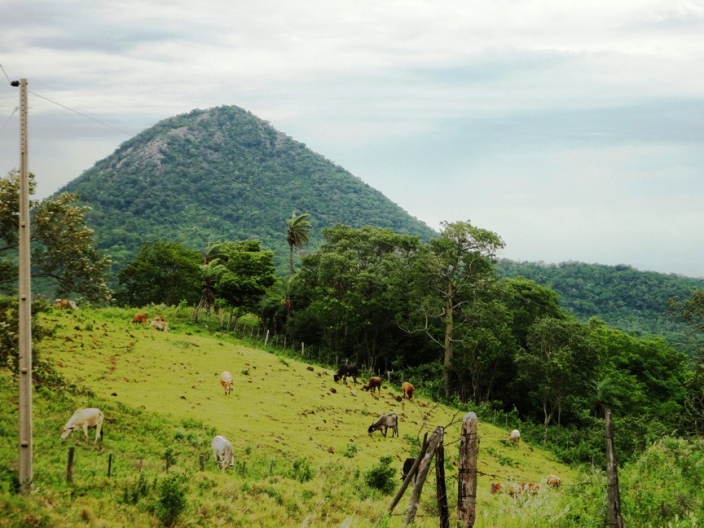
[(226, 382), (222, 451), (514, 437), (83, 419)]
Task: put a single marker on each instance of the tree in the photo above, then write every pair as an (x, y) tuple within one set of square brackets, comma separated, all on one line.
[(63, 250), (691, 310), (163, 272), (560, 362), (211, 270), (297, 233), (248, 273), (350, 293), (460, 264)]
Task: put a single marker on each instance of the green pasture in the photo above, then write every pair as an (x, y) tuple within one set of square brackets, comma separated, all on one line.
[(301, 444)]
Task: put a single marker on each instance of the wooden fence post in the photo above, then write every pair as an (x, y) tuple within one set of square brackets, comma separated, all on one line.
[(409, 476), (614, 497), (109, 464), (201, 461), (441, 488), (266, 338), (467, 492), (69, 466), (435, 440)]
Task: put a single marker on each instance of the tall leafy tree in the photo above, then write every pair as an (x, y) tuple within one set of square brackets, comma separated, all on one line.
[(559, 363), (348, 295), (63, 249), (163, 272), (248, 273), (459, 266), (297, 233)]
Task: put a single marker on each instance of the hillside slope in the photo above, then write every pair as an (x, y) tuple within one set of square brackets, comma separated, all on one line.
[(281, 414), (631, 300), (223, 174)]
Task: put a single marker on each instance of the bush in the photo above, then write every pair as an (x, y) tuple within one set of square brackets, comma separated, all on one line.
[(382, 476), (171, 501)]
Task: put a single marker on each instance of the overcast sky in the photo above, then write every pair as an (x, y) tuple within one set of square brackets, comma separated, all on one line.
[(574, 130)]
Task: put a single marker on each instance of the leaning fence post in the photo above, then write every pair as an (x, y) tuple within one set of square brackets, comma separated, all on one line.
[(467, 482), (69, 466), (266, 338), (433, 443), (411, 473)]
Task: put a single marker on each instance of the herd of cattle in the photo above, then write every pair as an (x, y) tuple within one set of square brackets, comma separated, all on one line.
[(222, 447)]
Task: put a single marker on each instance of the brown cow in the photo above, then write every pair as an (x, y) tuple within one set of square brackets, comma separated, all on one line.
[(373, 383), (140, 318), (408, 390), (553, 481)]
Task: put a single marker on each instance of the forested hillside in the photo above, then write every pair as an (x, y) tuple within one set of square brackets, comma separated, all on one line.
[(223, 174), (626, 298)]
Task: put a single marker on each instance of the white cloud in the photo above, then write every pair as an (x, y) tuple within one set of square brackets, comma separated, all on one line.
[(571, 129)]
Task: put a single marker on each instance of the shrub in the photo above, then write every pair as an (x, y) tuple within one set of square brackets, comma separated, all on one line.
[(302, 471), (171, 501), (382, 476)]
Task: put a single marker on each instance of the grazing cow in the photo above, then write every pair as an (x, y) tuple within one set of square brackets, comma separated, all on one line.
[(373, 383), (553, 481), (140, 318), (407, 466), (158, 323), (514, 437), (226, 382), (383, 423), (514, 489), (65, 304), (408, 390), (83, 419), (346, 370), (529, 487), (222, 451)]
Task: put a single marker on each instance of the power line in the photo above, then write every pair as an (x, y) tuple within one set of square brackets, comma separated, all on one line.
[(65, 107), (9, 117), (3, 70), (80, 114)]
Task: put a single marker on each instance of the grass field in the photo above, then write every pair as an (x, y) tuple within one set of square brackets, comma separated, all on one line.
[(301, 444)]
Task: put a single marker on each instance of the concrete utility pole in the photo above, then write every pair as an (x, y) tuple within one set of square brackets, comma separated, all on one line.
[(25, 308)]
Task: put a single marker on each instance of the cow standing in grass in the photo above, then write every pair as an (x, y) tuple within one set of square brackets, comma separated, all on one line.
[(226, 382), (515, 437), (373, 384), (346, 371), (385, 422), (223, 452), (83, 419)]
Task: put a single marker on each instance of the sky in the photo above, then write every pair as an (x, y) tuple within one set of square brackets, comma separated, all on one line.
[(573, 130)]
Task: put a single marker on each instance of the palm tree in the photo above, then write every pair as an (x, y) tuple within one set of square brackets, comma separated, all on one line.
[(211, 270), (297, 233)]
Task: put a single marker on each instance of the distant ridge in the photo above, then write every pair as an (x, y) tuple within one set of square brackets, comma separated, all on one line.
[(223, 174)]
